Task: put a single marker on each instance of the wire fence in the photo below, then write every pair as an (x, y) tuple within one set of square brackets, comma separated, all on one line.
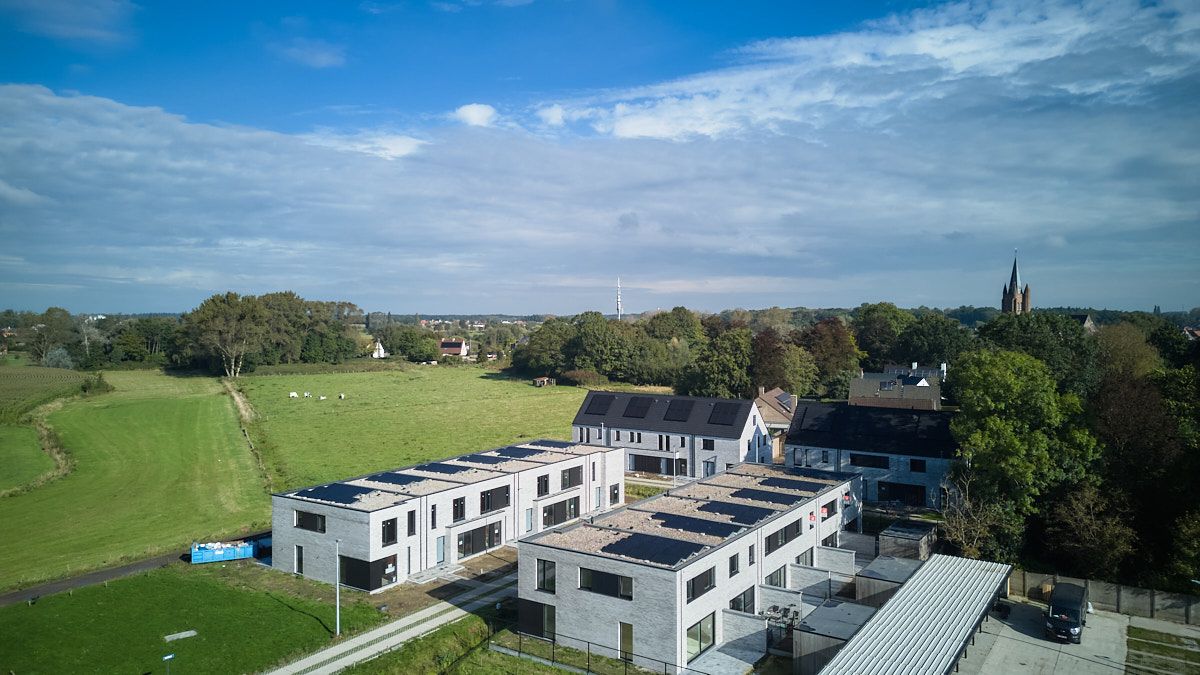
[(584, 655)]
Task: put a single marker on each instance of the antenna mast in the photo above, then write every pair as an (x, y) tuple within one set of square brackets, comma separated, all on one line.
[(618, 298)]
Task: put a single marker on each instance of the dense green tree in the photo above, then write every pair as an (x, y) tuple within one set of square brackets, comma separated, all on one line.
[(599, 345), (410, 342), (722, 370), (1090, 532), (1056, 340), (1122, 351), (680, 323), (836, 354), (54, 328), (545, 353), (775, 362), (1018, 437), (932, 339), (227, 328), (877, 328), (1185, 559)]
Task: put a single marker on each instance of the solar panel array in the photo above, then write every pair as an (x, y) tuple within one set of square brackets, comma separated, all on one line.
[(792, 484), (768, 496), (638, 406), (690, 524), (441, 467), (338, 493), (724, 413), (484, 459), (659, 550), (679, 410), (515, 452), (395, 478), (543, 443), (599, 404), (740, 513)]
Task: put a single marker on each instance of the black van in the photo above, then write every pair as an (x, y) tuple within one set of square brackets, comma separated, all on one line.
[(1068, 612)]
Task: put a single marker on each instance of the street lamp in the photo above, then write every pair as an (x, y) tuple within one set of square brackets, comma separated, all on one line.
[(337, 587)]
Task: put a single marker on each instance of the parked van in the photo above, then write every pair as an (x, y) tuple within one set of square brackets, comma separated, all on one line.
[(1068, 612)]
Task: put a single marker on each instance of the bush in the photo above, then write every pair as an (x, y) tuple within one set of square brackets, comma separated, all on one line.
[(95, 384), (58, 358), (584, 378)]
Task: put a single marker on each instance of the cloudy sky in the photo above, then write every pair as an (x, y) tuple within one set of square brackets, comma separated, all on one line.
[(517, 156)]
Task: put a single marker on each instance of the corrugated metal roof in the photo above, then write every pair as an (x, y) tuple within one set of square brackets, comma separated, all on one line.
[(922, 629)]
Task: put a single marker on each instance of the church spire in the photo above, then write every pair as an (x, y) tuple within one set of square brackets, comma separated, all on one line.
[(1014, 283)]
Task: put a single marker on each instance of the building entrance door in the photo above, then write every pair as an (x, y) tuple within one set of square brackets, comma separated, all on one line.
[(441, 550)]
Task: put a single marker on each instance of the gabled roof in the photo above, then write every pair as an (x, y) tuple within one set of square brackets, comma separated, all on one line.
[(688, 415), (775, 406), (919, 433)]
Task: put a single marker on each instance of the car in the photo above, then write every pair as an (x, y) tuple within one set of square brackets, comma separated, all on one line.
[(1067, 614)]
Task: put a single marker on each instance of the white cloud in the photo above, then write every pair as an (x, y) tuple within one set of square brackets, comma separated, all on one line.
[(311, 52), (552, 115), (372, 142), (101, 22), (476, 114)]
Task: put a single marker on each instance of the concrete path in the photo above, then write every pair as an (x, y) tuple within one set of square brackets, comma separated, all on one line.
[(1016, 645), (392, 635)]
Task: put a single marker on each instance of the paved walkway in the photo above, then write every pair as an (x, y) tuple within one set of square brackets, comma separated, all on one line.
[(392, 635)]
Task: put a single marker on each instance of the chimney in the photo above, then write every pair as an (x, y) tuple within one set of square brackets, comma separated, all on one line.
[(762, 391), (795, 402), (914, 366)]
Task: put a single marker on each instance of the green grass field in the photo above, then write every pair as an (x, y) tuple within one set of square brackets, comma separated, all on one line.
[(21, 456), (396, 418), (22, 387), (247, 619), (158, 462)]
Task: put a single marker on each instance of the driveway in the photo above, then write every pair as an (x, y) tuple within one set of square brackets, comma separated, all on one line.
[(1016, 645)]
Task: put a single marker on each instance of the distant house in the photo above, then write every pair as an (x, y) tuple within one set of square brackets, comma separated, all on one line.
[(931, 372), (454, 347), (674, 435), (776, 408), (887, 390), (1085, 321), (903, 455)]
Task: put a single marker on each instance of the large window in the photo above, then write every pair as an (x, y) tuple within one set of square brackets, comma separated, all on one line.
[(494, 499), (805, 558), (545, 575), (870, 461), (614, 494), (700, 636), (478, 540), (459, 509), (782, 536), (412, 523), (701, 583), (606, 583), (389, 531), (743, 602), (561, 512), (543, 485), (313, 522), (572, 477), (778, 577)]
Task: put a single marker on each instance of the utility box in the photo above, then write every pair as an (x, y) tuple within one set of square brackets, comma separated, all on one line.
[(908, 539)]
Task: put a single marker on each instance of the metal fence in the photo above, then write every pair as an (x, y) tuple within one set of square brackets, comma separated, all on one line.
[(1111, 597), (579, 654)]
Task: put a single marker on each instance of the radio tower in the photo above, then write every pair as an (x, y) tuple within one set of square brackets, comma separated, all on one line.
[(618, 298)]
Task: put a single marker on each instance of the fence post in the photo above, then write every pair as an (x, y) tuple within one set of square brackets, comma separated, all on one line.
[(589, 657), (1153, 601), (1119, 587)]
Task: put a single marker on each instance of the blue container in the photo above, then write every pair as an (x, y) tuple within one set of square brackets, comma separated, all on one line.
[(206, 553)]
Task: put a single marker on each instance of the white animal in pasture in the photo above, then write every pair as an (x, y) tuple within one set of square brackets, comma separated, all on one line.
[(293, 395), (307, 395), (321, 399), (341, 396)]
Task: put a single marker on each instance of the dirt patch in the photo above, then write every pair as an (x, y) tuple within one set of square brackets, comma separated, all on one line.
[(245, 411)]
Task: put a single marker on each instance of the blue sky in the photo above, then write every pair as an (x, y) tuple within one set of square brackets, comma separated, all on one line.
[(512, 156)]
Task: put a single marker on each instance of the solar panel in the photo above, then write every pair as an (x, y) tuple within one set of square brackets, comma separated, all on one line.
[(599, 404), (338, 493), (518, 453), (395, 478), (660, 550), (767, 496), (679, 410), (638, 406), (551, 444), (690, 524), (790, 484), (740, 513), (724, 412), (440, 467), (484, 459)]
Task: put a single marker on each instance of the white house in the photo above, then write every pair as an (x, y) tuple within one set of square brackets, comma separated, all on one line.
[(674, 435)]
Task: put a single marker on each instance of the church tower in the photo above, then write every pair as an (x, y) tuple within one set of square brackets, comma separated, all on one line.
[(1015, 300)]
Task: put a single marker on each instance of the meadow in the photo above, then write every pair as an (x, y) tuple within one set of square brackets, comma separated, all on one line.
[(159, 462), (395, 418), (21, 456), (247, 618), (24, 387)]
